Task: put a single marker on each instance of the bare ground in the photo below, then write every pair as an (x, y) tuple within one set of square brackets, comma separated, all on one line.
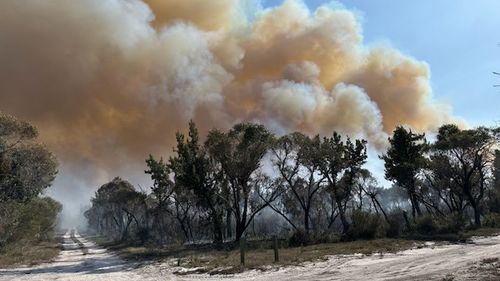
[(83, 260)]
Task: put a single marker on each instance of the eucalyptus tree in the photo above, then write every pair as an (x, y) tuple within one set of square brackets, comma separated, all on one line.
[(341, 164), (194, 170), (238, 155), (470, 154), (115, 206), (297, 160), (169, 199), (26, 166)]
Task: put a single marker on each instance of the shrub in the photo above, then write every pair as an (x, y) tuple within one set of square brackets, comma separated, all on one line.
[(428, 224), (367, 225), (452, 223), (425, 225), (299, 238), (396, 224), (492, 220), (31, 221)]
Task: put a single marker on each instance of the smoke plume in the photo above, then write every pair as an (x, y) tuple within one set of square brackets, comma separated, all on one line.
[(110, 81)]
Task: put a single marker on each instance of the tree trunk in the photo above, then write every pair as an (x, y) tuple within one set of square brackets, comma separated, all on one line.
[(306, 219), (229, 232), (240, 229), (343, 219)]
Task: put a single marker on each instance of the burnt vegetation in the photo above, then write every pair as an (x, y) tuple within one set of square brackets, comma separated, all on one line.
[(248, 182)]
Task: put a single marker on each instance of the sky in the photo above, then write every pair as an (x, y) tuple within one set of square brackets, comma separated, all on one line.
[(459, 39), (108, 82)]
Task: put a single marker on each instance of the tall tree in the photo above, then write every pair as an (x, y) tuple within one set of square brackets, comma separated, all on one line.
[(404, 160), (470, 154), (115, 206), (239, 154), (194, 170), (26, 167), (297, 158), (341, 165), (170, 199)]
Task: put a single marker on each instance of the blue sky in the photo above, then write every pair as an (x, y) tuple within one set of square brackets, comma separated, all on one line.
[(457, 38)]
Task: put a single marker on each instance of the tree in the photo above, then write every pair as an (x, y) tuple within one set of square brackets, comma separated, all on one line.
[(237, 154), (194, 170), (115, 206), (341, 164), (494, 193), (297, 158), (166, 193), (404, 160), (26, 167), (470, 153)]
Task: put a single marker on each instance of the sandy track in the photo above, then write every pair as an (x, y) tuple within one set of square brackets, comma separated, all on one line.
[(73, 264), (418, 264)]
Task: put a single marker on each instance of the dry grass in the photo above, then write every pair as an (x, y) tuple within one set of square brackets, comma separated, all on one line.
[(204, 259), (487, 270), (28, 254), (228, 261)]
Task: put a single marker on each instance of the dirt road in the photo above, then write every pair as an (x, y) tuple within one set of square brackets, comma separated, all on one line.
[(94, 263)]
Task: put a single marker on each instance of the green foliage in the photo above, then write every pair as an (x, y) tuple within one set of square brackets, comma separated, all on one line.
[(469, 154), (302, 238), (492, 220), (404, 160), (425, 225), (396, 224), (26, 167), (237, 155), (452, 223), (117, 206), (429, 225), (366, 225), (28, 222)]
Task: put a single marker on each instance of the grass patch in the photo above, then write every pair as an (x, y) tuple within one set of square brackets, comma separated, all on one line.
[(486, 232), (29, 254), (208, 260)]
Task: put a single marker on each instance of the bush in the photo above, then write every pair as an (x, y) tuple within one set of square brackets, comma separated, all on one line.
[(301, 238), (452, 223), (492, 220), (425, 225), (428, 224), (396, 224), (366, 225), (31, 221)]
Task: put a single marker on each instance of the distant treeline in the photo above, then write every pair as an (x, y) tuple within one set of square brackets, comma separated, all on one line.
[(27, 168), (248, 182)]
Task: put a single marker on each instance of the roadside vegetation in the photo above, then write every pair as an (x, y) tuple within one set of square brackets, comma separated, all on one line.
[(313, 193), (27, 218)]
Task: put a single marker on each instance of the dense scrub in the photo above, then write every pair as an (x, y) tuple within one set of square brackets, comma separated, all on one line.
[(247, 182), (27, 168)]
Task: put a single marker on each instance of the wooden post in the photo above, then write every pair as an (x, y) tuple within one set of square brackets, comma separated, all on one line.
[(242, 250), (275, 247)]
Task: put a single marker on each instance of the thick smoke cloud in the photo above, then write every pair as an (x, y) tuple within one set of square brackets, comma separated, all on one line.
[(110, 81)]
